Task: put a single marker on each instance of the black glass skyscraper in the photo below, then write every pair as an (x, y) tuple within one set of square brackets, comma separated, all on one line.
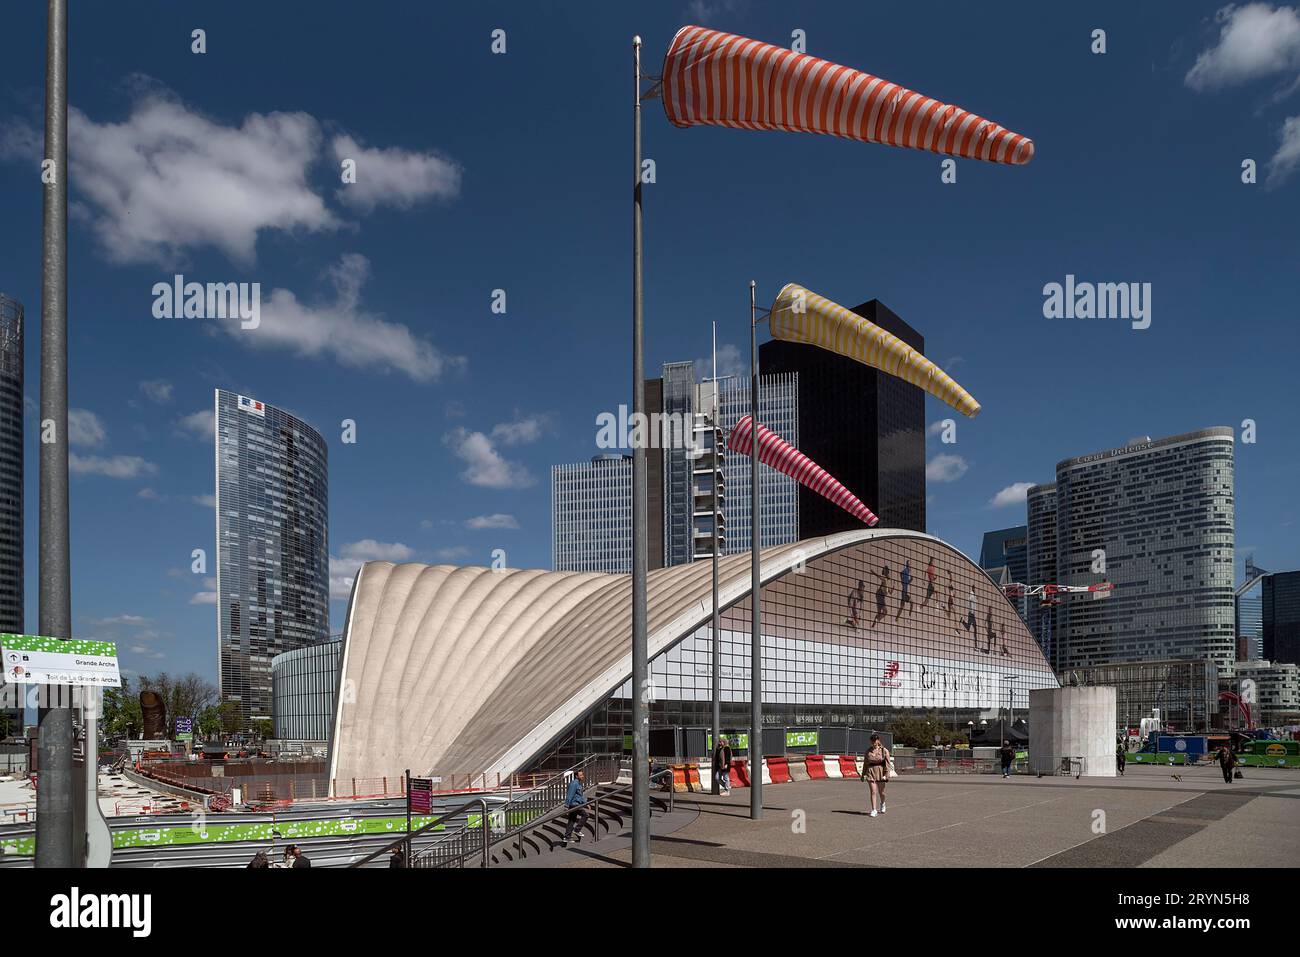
[(11, 465), (1281, 615), (864, 427), (272, 544)]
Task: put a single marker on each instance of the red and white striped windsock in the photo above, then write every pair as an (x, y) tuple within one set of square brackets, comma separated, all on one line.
[(776, 452), (726, 80)]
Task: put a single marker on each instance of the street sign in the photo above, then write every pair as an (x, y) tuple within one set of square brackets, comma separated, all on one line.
[(184, 729), (421, 796), (36, 660)]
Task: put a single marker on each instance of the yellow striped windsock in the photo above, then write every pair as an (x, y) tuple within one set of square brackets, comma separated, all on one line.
[(800, 315)]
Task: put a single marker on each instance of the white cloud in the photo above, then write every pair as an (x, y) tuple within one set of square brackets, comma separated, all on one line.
[(157, 390), (496, 520), (85, 429), (730, 363), (201, 424), (207, 597), (1287, 158), (394, 176), (343, 330), (135, 621), (945, 467), (1255, 40), (110, 466), (1013, 494), (168, 179), (344, 567), (520, 431), (207, 501), (484, 465), (148, 494)]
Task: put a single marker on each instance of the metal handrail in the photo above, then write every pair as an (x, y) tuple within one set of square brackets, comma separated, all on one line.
[(517, 833), (483, 822)]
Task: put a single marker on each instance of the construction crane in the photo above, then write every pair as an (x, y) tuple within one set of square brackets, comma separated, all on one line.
[(1056, 594)]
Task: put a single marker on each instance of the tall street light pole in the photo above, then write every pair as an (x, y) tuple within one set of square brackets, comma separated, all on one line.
[(755, 634), (640, 665), (55, 796)]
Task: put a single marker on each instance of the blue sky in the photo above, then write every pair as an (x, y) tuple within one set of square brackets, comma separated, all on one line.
[(481, 172)]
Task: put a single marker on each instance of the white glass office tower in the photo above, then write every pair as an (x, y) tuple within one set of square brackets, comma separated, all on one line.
[(591, 515), (1162, 513), (778, 402), (272, 544)]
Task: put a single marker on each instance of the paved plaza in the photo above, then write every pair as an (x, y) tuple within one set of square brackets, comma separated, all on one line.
[(1146, 819)]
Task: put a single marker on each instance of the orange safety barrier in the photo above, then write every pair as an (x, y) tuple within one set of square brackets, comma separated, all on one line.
[(779, 769), (848, 766), (686, 777), (816, 765), (739, 773)]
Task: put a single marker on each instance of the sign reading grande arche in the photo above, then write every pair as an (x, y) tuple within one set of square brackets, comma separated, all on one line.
[(37, 660)]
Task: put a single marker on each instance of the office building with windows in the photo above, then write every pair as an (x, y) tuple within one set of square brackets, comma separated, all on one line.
[(864, 427), (1280, 617), (1156, 519), (1004, 554), (11, 465), (591, 502), (272, 545), (591, 515), (1040, 564), (303, 684)]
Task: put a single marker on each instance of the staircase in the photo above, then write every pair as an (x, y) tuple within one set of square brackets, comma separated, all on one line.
[(609, 812)]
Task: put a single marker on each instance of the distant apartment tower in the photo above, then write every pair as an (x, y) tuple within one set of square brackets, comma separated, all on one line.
[(864, 427), (1004, 552), (11, 481), (1160, 515), (272, 545), (1250, 623), (591, 515), (1281, 617), (1040, 564)]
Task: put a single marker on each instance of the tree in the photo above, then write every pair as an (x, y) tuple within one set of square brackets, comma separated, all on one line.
[(917, 731), (121, 710), (263, 728)]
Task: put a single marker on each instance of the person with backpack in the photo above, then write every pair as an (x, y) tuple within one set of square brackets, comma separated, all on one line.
[(1008, 755)]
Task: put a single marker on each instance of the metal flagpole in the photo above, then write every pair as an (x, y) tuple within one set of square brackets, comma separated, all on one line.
[(755, 634), (55, 797), (717, 640), (640, 665)]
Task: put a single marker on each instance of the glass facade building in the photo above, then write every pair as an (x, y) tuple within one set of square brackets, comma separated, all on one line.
[(862, 426), (11, 465), (591, 502), (846, 643), (303, 685), (1161, 516), (272, 545), (1280, 615), (1040, 561), (591, 515), (1006, 550)]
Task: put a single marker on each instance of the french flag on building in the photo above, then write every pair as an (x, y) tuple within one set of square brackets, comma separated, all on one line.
[(251, 405)]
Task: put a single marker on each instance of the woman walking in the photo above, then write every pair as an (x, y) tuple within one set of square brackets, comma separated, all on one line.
[(875, 771)]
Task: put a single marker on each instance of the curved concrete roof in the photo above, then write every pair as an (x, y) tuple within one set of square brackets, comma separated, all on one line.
[(464, 669)]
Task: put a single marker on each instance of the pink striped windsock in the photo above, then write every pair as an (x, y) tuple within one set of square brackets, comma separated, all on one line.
[(779, 454)]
